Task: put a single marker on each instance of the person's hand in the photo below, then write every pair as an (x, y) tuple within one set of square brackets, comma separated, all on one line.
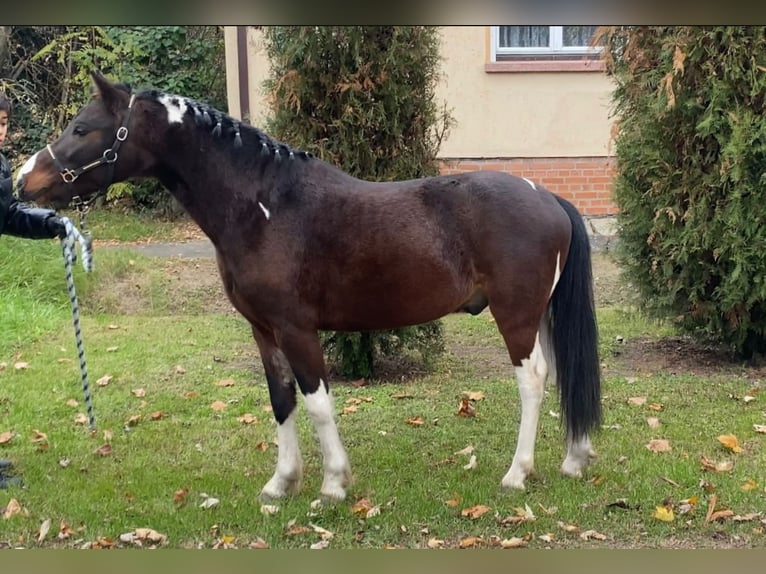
[(55, 225)]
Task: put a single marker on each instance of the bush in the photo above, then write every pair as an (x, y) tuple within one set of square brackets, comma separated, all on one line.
[(362, 98), (691, 158)]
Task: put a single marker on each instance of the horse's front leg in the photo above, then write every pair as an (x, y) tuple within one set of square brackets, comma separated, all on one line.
[(304, 352), (289, 472)]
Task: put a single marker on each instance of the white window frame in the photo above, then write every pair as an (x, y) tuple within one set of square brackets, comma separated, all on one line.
[(556, 46)]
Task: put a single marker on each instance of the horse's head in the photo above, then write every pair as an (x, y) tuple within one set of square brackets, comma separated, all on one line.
[(94, 151)]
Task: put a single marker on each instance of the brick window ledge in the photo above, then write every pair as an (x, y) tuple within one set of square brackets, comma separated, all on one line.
[(545, 66)]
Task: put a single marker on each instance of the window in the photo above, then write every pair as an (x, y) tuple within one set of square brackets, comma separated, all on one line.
[(545, 44)]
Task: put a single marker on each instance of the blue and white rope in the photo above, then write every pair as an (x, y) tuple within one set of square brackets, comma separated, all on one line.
[(70, 257)]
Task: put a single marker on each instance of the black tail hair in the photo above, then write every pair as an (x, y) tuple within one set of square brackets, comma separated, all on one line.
[(574, 334)]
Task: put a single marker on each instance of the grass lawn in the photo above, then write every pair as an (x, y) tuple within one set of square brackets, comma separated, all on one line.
[(182, 413)]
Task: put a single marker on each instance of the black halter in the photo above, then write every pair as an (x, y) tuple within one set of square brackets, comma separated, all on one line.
[(108, 158)]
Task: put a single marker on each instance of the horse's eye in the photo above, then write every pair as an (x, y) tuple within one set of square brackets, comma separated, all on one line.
[(79, 131)]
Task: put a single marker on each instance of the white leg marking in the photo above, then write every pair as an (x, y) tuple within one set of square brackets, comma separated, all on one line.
[(28, 166), (176, 107), (530, 182), (337, 472), (557, 274), (287, 478), (578, 456), (530, 377), (266, 212)]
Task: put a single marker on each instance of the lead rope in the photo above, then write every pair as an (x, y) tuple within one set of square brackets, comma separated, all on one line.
[(70, 256)]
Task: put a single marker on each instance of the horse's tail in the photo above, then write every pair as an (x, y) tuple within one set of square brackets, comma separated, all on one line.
[(574, 334)]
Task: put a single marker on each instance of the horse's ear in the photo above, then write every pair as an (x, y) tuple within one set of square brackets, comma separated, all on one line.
[(108, 92)]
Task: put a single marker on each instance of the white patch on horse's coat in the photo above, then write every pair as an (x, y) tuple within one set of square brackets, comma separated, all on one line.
[(337, 473), (175, 106), (530, 182), (287, 477), (28, 166), (557, 274), (266, 212), (530, 376)]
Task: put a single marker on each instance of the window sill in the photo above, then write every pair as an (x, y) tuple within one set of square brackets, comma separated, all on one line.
[(545, 66)]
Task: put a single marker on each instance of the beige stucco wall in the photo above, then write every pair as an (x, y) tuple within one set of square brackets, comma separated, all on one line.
[(538, 114)]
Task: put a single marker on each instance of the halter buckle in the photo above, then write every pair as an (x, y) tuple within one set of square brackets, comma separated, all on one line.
[(68, 175), (122, 134), (110, 156)]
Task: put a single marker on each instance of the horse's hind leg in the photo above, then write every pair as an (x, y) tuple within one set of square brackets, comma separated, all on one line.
[(520, 329), (304, 352), (281, 381)]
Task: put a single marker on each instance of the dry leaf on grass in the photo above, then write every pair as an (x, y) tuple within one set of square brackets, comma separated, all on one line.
[(454, 501), (466, 451), (180, 370), (72, 403), (471, 463), (713, 466), (179, 496), (415, 421), (133, 420), (218, 406), (262, 446), (20, 365), (258, 544), (747, 517), (568, 527), (111, 349), (80, 419), (592, 535), (664, 513), (749, 485), (637, 401), (358, 400), (653, 422), (659, 445), (138, 393), (44, 529), (475, 512), (209, 502), (320, 545), (514, 542), (760, 429), (191, 395), (402, 395), (656, 406), (473, 395), (248, 419), (12, 509), (730, 442), (349, 410), (435, 543), (364, 508), (103, 450), (104, 381), (269, 509), (470, 542), (687, 505), (324, 534), (225, 383), (6, 437), (466, 408), (157, 415)]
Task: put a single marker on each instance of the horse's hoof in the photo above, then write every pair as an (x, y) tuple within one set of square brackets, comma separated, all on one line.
[(571, 469)]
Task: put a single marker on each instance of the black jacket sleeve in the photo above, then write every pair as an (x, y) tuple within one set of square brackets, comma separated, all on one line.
[(20, 219)]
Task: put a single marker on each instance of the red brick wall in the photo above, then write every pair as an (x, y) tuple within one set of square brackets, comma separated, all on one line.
[(586, 181)]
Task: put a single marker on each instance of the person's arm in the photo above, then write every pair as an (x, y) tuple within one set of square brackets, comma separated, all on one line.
[(21, 220)]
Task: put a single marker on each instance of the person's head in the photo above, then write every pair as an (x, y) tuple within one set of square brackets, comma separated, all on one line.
[(5, 116)]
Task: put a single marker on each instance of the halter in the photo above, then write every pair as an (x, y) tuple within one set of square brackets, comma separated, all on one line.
[(108, 158)]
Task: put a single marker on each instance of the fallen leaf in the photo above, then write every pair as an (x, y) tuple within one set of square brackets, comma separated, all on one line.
[(361, 507), (670, 481), (455, 501), (247, 419), (113, 326), (749, 485), (111, 349), (473, 395), (659, 445), (20, 365), (687, 505), (469, 542), (435, 543), (471, 463), (415, 421), (550, 511), (637, 401), (262, 446), (103, 450), (295, 530), (6, 437), (218, 406), (596, 480), (180, 370), (547, 537), (748, 398), (133, 420), (149, 535), (320, 545), (225, 383), (64, 462), (209, 502), (653, 422), (664, 513), (349, 410), (12, 509), (656, 406), (760, 429), (44, 529), (359, 383), (466, 451), (711, 465), (179, 496), (358, 400), (747, 517), (157, 415), (104, 381), (592, 535), (514, 542), (324, 534), (720, 515), (258, 544), (80, 419), (568, 527), (466, 409), (730, 442), (269, 509), (138, 393), (402, 395), (475, 512), (65, 531), (72, 403), (191, 395)]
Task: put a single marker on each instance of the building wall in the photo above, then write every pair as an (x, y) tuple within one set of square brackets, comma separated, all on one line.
[(552, 127)]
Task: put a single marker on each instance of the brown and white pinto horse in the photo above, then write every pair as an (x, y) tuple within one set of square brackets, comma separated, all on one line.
[(302, 246)]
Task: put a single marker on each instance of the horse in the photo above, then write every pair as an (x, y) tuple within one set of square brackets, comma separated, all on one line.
[(302, 246)]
